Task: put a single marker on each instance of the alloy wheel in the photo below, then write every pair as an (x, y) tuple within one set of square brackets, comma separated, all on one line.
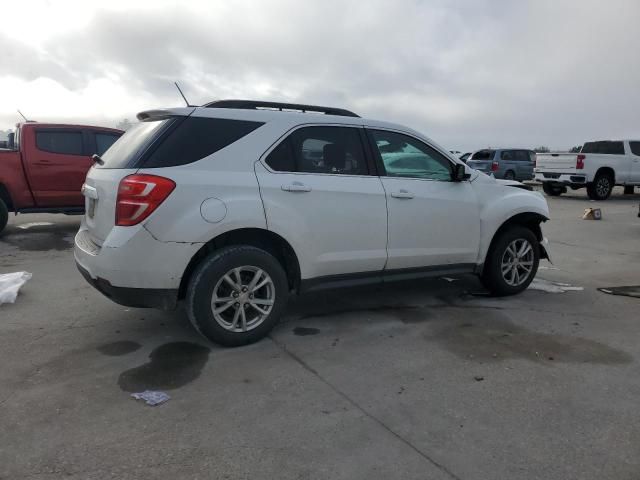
[(517, 262)]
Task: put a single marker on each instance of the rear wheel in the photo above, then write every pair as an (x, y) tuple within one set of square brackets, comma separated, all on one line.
[(601, 187), (628, 190), (512, 261), (4, 215), (236, 295), (509, 175), (552, 190)]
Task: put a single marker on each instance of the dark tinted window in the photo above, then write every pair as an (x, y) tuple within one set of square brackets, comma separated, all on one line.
[(604, 147), (332, 150), (405, 156), (483, 155), (197, 137), (521, 156), (128, 148), (635, 148), (65, 142), (104, 141), (507, 155)]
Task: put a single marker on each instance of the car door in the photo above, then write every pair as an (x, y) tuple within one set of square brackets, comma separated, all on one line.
[(320, 194), (58, 166), (433, 221), (524, 165), (634, 147)]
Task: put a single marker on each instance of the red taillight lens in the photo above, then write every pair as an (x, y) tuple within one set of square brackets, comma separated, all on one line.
[(139, 196), (580, 162), (494, 166)]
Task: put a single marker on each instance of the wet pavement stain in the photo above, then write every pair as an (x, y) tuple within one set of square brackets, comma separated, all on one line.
[(404, 313), (305, 331), (42, 238), (122, 347), (491, 337), (628, 291), (171, 366)]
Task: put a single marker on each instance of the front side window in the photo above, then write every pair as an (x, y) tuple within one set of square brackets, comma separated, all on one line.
[(104, 141), (63, 142), (404, 156), (521, 156), (328, 150)]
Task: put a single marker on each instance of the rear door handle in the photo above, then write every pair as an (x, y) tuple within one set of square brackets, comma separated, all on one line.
[(402, 194), (296, 187)]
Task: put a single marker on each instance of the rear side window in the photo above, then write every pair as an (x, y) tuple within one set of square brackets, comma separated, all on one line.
[(483, 155), (635, 148), (196, 137), (604, 147), (507, 155), (331, 150), (63, 142), (521, 156), (104, 141)]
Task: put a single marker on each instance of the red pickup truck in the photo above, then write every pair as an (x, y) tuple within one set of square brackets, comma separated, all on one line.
[(44, 166)]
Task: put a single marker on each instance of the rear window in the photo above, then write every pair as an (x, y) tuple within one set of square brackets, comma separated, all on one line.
[(64, 142), (198, 137), (604, 147), (128, 148), (104, 141), (483, 155)]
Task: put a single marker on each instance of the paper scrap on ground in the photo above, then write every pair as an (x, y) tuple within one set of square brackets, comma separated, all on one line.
[(552, 287), (25, 226), (10, 283), (449, 279), (628, 291), (151, 398)]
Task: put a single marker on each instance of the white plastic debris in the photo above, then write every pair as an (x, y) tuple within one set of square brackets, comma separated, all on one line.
[(151, 398), (552, 287), (10, 283), (449, 279)]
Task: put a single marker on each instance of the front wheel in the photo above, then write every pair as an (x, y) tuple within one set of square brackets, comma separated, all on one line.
[(236, 295), (512, 262), (552, 190), (600, 188)]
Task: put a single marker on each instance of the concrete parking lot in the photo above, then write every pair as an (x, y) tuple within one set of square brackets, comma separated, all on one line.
[(421, 380)]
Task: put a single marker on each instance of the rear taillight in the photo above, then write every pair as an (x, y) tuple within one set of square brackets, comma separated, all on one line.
[(494, 166), (580, 162), (139, 196)]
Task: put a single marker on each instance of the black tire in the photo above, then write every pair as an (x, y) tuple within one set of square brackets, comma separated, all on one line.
[(4, 215), (601, 187), (509, 175), (551, 190), (211, 271), (628, 190), (492, 277)]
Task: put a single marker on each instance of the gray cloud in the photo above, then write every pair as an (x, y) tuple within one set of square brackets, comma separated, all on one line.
[(472, 74)]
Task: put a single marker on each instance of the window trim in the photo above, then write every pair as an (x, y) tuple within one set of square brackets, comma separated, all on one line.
[(380, 164), (285, 136), (81, 131), (92, 143)]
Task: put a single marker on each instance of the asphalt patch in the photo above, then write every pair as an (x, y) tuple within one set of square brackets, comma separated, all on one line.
[(304, 331), (42, 238), (629, 291), (491, 337), (172, 365), (116, 349)]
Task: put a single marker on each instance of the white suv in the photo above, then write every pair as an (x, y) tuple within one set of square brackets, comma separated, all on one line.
[(232, 206)]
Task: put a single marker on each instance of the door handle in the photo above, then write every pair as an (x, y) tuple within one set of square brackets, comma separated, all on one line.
[(296, 187), (43, 162), (402, 194)]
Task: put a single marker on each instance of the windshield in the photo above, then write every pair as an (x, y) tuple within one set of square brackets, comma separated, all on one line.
[(130, 145)]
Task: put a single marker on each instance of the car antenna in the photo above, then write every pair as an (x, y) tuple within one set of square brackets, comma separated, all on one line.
[(25, 118), (180, 90)]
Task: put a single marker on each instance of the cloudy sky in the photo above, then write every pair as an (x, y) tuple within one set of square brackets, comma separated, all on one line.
[(467, 73)]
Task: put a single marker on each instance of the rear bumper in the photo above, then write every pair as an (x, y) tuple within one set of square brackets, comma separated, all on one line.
[(165, 299), (575, 179)]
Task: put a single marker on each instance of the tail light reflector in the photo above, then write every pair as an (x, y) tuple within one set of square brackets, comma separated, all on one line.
[(494, 166), (139, 195), (580, 162)]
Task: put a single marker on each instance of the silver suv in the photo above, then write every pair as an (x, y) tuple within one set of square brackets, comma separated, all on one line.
[(505, 163)]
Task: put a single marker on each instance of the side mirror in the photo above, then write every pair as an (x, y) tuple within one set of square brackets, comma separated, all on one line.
[(459, 173)]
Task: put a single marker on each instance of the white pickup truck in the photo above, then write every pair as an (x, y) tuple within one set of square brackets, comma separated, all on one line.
[(599, 166)]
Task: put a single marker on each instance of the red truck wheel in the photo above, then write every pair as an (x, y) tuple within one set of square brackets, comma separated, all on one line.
[(4, 215)]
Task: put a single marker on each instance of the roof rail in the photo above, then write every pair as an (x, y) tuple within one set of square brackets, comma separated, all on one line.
[(256, 105)]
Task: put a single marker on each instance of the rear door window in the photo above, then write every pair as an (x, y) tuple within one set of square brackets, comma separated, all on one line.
[(507, 155), (521, 156), (64, 142), (635, 148), (604, 147), (328, 150)]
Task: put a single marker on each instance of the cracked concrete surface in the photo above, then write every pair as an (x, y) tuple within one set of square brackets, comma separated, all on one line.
[(378, 383)]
